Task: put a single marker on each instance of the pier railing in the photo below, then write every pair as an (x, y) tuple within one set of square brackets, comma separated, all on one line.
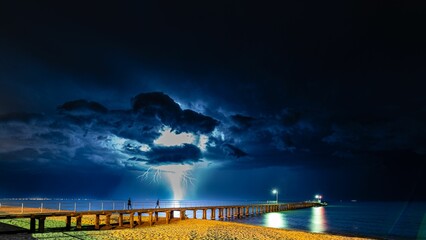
[(40, 206)]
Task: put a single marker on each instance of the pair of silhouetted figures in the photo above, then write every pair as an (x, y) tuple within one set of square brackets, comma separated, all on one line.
[(129, 204)]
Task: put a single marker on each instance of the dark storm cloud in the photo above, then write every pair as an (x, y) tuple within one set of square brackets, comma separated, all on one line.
[(84, 131), (292, 137), (187, 153), (88, 131), (242, 122), (233, 151), (170, 113), (156, 103), (81, 107)]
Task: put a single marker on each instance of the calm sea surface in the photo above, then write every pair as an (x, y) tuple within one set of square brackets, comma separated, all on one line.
[(385, 220)]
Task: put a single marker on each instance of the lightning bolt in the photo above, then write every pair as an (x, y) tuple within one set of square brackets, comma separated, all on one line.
[(179, 177)]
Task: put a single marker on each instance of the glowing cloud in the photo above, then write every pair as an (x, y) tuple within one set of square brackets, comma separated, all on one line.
[(144, 148), (170, 138), (202, 142)]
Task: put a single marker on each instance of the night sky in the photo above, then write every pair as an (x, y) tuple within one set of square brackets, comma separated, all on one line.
[(304, 96)]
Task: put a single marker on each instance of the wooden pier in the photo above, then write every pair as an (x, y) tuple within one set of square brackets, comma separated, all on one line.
[(135, 215)]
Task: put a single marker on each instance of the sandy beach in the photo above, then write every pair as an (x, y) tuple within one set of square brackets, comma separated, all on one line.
[(189, 229)]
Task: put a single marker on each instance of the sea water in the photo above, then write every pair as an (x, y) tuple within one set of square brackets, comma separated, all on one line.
[(383, 220)]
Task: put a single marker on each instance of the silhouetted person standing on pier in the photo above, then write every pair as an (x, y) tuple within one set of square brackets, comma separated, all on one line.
[(158, 203), (129, 204)]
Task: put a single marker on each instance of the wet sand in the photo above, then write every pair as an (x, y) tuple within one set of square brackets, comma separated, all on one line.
[(190, 229)]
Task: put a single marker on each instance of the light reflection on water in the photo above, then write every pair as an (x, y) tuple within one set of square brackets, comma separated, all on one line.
[(318, 221), (275, 220)]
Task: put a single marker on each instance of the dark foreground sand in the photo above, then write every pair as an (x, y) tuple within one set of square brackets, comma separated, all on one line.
[(190, 229)]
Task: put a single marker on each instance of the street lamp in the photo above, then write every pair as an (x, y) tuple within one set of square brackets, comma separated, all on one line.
[(275, 191)]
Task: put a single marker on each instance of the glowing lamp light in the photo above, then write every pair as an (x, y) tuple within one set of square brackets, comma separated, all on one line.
[(318, 197), (275, 191)]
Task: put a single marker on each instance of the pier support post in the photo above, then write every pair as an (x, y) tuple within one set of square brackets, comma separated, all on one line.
[(68, 223), (247, 211), (195, 213), (150, 218), (156, 216), (172, 214), (139, 218), (32, 225), (228, 213), (132, 221), (41, 224), (168, 213), (220, 213), (212, 214), (182, 214), (97, 222), (108, 221), (204, 213), (120, 220), (78, 222)]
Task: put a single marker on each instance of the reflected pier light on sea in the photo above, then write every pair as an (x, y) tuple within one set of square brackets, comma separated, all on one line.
[(275, 220), (318, 221)]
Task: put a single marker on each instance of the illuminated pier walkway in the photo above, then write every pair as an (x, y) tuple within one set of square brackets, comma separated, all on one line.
[(135, 215)]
